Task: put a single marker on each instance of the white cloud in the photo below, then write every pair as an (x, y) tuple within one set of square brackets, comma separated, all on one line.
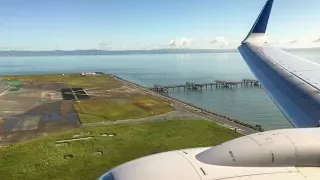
[(173, 43), (206, 42), (222, 41), (185, 41), (286, 40), (104, 46), (181, 42), (316, 40), (293, 41), (307, 41), (218, 39)]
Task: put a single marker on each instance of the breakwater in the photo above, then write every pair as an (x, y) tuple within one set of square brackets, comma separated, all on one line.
[(190, 106)]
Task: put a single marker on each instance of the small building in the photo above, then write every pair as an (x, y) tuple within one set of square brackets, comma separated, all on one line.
[(88, 73)]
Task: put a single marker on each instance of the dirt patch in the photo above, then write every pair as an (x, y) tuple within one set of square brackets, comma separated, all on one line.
[(141, 106), (74, 139), (98, 153), (62, 144), (121, 92), (108, 134), (47, 118), (68, 156)]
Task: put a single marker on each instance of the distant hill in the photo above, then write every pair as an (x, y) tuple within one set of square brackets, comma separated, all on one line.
[(112, 52)]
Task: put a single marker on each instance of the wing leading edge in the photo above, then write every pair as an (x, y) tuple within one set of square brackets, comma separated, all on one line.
[(291, 82)]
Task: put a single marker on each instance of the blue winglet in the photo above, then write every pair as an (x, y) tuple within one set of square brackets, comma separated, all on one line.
[(261, 23)]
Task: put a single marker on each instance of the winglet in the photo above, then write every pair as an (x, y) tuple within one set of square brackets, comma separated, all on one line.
[(259, 28)]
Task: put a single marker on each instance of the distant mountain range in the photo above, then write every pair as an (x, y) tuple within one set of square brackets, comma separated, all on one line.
[(112, 52), (128, 52)]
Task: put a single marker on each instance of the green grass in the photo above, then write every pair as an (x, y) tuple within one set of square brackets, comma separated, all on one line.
[(42, 159), (74, 80), (110, 109)]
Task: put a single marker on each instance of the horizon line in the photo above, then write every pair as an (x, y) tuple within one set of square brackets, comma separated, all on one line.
[(119, 50)]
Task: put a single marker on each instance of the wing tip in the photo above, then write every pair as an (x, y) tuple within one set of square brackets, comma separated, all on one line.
[(260, 25)]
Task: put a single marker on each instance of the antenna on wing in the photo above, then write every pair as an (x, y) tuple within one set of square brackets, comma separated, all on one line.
[(257, 32)]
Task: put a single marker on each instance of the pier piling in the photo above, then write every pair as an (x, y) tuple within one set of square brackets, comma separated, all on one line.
[(196, 86)]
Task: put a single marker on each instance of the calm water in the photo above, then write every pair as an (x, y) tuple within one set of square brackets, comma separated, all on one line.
[(247, 104)]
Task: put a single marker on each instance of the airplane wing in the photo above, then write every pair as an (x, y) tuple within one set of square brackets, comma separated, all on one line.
[(292, 83)]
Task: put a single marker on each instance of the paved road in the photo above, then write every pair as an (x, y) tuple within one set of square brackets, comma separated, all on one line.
[(185, 107)]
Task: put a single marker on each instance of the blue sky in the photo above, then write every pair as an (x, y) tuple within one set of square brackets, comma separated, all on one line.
[(147, 24)]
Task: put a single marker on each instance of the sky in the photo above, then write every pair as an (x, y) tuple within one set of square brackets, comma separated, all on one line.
[(152, 24)]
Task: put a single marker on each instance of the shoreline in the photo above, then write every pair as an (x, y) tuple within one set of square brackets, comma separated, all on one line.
[(223, 120), (216, 117)]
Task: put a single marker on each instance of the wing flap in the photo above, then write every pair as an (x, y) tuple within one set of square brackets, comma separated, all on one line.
[(290, 62)]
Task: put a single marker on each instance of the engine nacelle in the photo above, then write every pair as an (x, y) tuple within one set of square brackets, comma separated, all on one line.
[(292, 147), (274, 154)]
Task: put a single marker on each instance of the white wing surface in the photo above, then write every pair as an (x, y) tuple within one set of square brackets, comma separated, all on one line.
[(292, 82)]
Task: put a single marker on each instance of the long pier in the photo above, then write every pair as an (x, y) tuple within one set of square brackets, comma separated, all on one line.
[(197, 86), (210, 115)]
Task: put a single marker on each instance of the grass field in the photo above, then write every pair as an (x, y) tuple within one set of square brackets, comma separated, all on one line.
[(74, 80), (110, 109), (42, 159)]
